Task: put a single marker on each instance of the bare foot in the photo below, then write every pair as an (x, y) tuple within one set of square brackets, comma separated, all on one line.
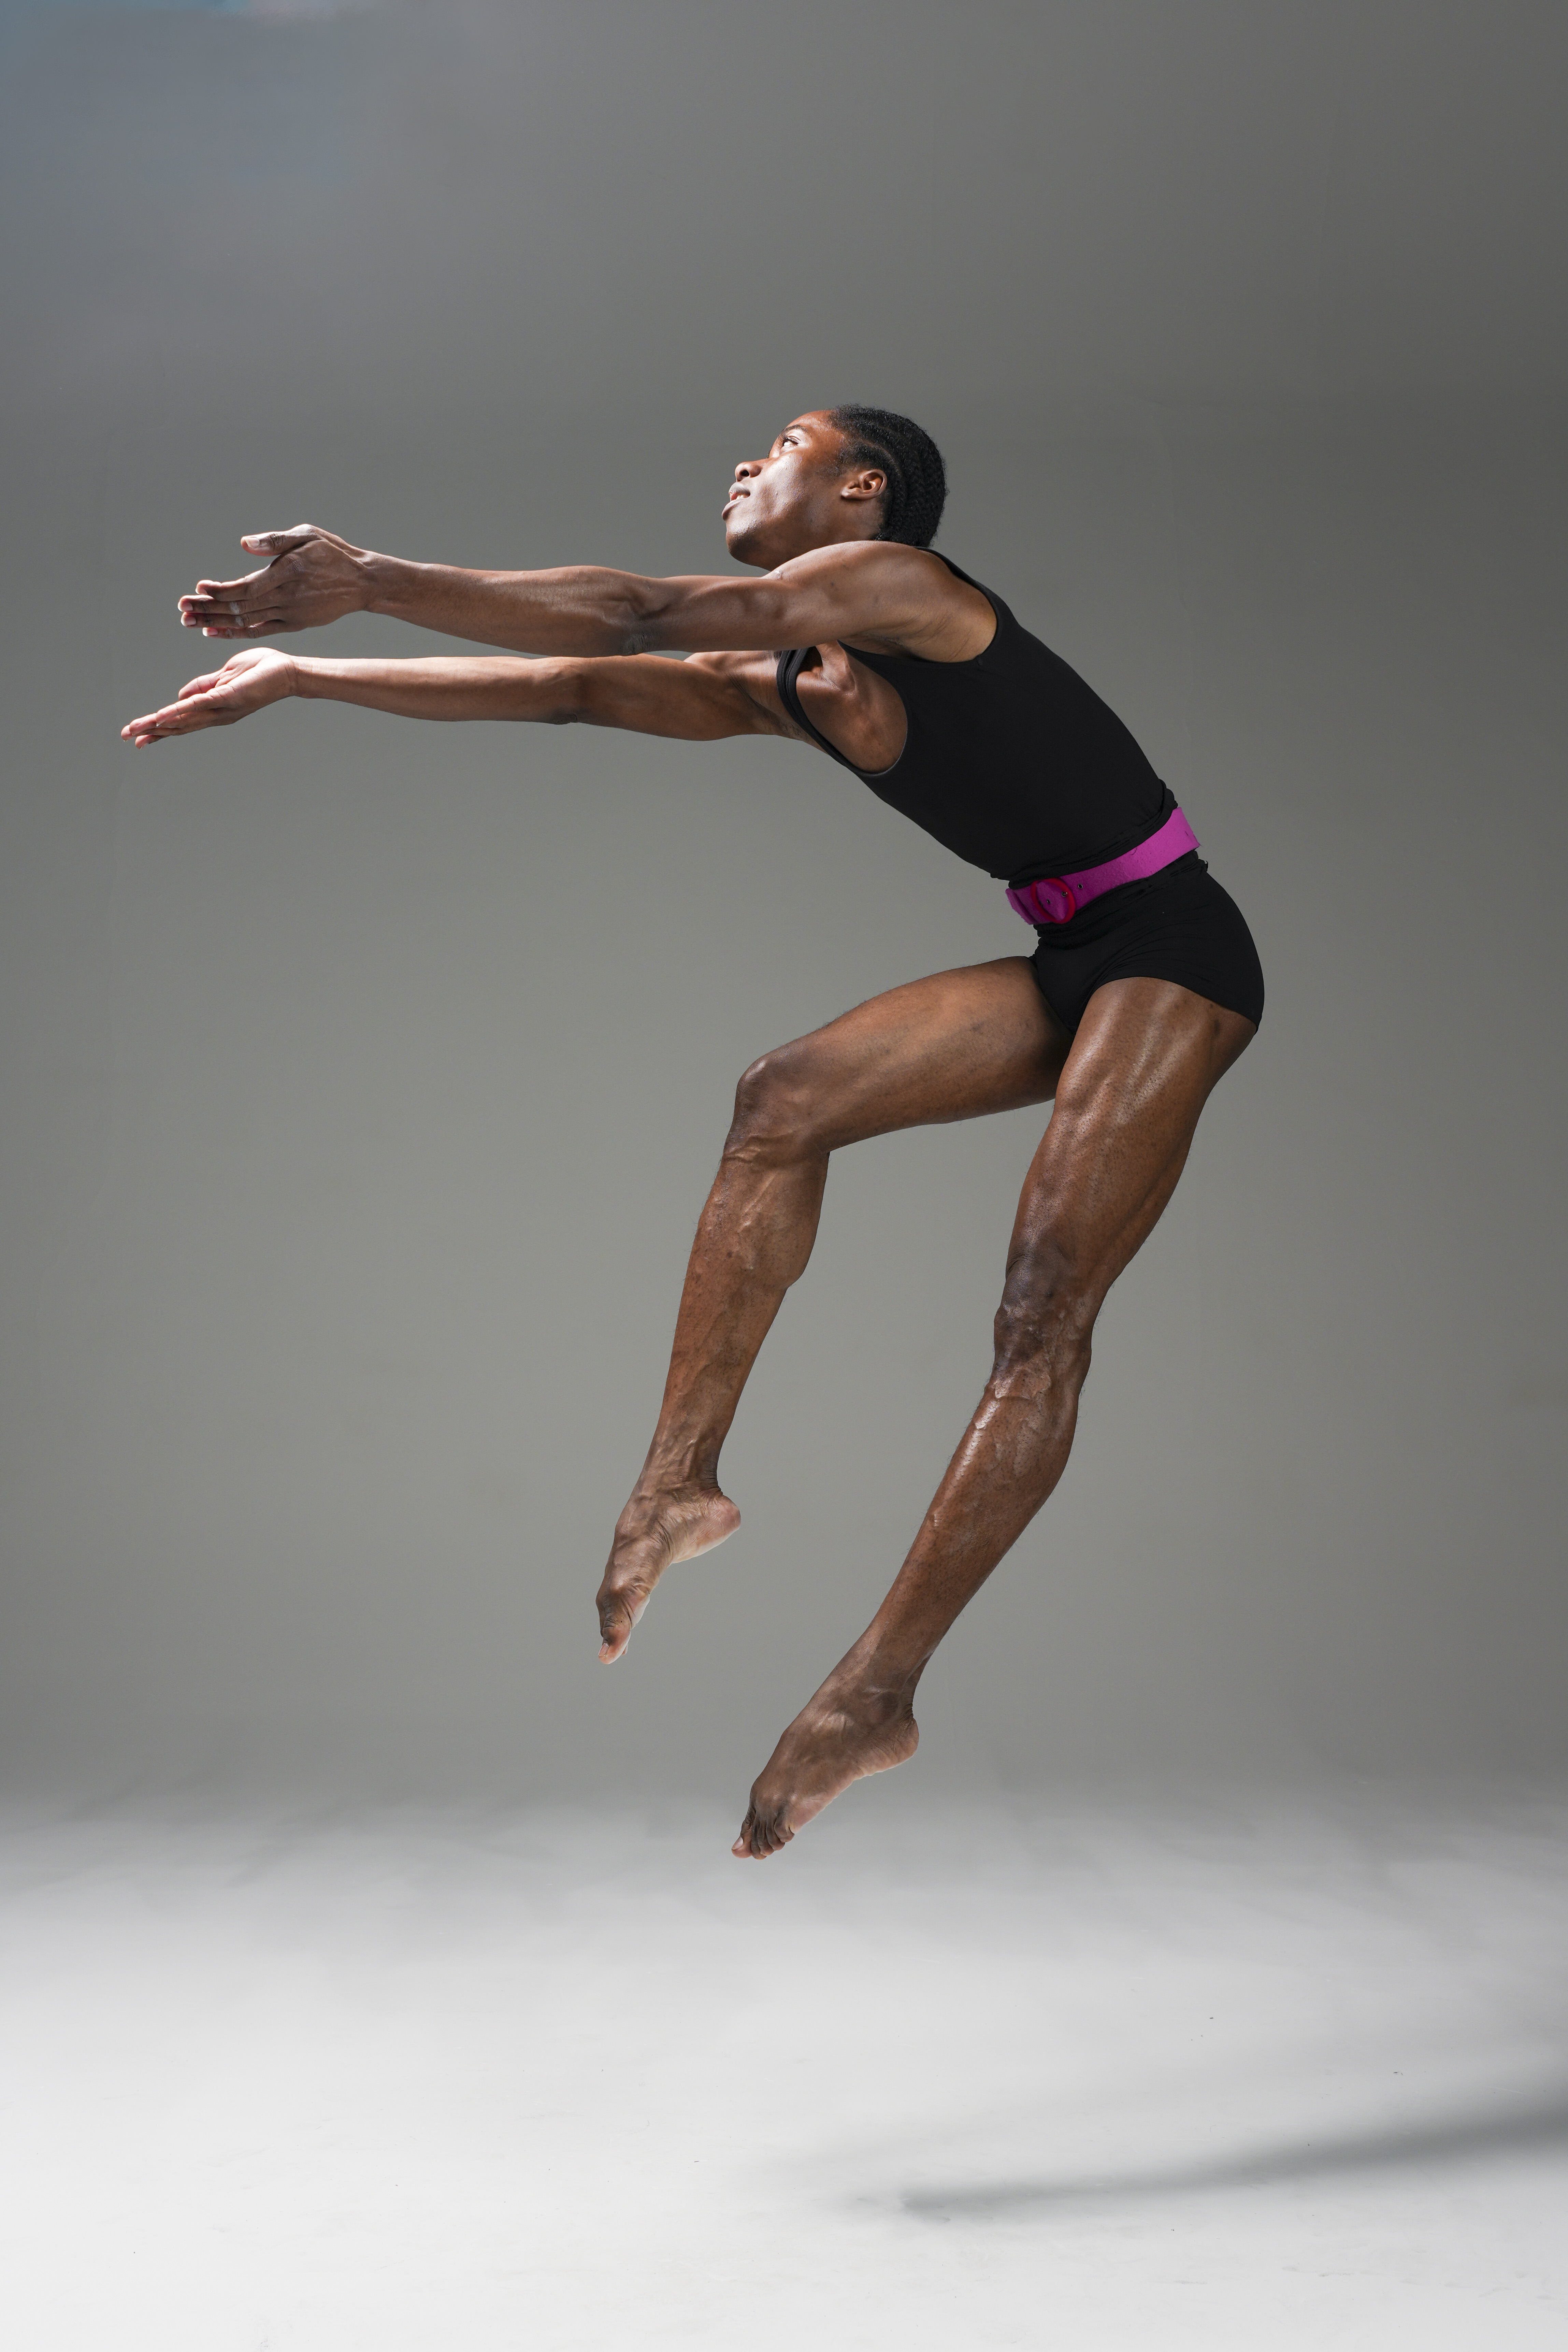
[(658, 1525), (845, 1732)]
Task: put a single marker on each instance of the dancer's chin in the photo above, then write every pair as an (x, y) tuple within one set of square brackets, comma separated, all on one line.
[(740, 540)]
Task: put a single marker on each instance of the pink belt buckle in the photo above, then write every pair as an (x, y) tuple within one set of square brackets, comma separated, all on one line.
[(1049, 900)]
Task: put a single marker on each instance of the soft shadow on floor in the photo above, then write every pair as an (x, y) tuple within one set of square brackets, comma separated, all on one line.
[(1519, 2128), (319, 2080)]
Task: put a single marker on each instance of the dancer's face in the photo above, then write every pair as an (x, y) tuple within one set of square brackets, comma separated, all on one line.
[(800, 496)]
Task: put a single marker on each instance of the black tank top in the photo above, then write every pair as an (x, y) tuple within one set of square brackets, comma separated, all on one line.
[(1011, 760)]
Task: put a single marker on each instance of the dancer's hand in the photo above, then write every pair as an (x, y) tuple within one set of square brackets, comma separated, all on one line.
[(313, 577), (247, 682)]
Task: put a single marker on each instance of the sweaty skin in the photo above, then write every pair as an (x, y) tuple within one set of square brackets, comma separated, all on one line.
[(1127, 1090)]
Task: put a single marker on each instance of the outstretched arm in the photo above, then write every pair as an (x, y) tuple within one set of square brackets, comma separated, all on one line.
[(874, 592), (698, 701)]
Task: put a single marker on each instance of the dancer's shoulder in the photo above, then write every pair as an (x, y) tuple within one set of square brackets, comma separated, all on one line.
[(889, 597)]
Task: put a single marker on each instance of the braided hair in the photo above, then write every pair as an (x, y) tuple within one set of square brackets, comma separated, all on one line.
[(917, 478)]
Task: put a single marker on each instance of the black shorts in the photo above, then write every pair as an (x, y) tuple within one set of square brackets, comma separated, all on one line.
[(1178, 925)]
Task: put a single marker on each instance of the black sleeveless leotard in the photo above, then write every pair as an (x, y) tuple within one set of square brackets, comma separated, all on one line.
[(1013, 763)]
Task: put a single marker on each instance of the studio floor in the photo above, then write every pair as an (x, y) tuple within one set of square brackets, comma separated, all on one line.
[(1260, 2076)]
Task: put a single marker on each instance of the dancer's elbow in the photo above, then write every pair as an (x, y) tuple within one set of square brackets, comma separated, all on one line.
[(562, 693), (639, 613)]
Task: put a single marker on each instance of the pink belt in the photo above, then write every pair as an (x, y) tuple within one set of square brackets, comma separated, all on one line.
[(1058, 897)]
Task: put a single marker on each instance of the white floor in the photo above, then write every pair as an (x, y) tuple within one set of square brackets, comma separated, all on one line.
[(1247, 2079)]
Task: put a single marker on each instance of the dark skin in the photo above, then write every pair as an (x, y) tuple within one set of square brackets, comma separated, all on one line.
[(1128, 1089)]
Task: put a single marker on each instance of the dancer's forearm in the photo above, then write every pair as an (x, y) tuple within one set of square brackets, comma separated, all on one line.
[(581, 609), (648, 695), (443, 686)]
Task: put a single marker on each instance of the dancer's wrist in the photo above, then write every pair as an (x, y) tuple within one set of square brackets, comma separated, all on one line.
[(389, 584)]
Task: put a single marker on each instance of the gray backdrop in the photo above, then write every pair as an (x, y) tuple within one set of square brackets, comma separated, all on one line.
[(361, 1081)]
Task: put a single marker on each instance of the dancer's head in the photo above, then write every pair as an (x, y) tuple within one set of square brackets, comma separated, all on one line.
[(837, 474)]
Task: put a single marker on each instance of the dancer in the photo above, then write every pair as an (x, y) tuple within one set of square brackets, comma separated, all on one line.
[(1143, 987)]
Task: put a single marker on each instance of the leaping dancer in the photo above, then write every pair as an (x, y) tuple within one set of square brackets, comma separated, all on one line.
[(1143, 987)]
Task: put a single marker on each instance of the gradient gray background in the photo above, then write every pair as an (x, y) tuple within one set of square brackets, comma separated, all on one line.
[(361, 1081)]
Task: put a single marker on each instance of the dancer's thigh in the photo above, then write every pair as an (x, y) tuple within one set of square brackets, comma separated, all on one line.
[(1146, 1056), (956, 1046)]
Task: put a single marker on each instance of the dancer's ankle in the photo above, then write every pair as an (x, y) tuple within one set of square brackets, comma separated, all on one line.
[(680, 1467)]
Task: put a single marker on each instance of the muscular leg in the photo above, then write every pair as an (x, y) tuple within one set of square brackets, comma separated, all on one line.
[(950, 1047), (1143, 1063)]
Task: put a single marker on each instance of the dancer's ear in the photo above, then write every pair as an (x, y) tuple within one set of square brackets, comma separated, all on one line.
[(867, 482)]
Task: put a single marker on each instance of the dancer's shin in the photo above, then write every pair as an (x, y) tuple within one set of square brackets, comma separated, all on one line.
[(753, 1241)]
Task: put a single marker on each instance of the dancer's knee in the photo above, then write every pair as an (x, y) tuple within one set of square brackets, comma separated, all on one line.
[(777, 1103), (1044, 1325)]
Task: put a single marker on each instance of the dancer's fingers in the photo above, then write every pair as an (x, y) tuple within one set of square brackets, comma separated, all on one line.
[(269, 543), (279, 542), (235, 618), (269, 625), (157, 728), (174, 719), (229, 611), (255, 601), (227, 589), (173, 714)]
